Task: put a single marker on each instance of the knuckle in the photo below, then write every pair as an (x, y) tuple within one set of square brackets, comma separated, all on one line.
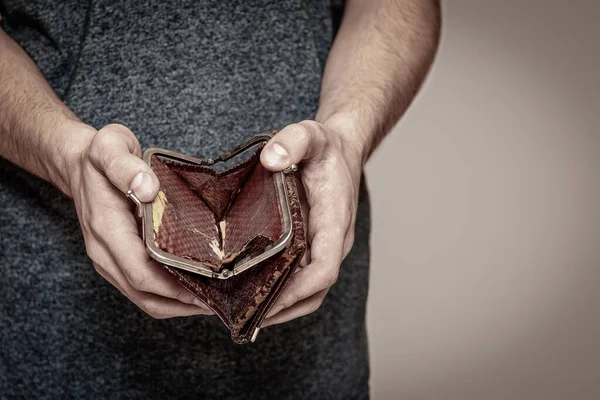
[(349, 243), (291, 300), (95, 223), (112, 133), (311, 125), (314, 306), (97, 267), (116, 129), (347, 249), (99, 151), (183, 295), (93, 253), (315, 132), (296, 298), (349, 211), (106, 136), (100, 270), (299, 131), (331, 279), (153, 309), (111, 162), (85, 225), (136, 279), (96, 148)]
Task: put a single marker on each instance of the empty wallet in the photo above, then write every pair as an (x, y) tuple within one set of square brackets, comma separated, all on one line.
[(227, 229)]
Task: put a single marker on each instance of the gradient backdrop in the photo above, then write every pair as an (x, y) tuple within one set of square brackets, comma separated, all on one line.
[(486, 204)]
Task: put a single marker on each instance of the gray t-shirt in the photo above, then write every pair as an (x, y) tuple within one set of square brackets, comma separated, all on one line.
[(196, 77)]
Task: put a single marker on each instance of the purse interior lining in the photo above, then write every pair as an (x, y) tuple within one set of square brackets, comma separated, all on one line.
[(215, 217)]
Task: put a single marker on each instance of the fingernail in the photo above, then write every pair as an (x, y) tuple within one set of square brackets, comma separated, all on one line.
[(142, 185), (276, 154), (279, 149), (274, 311)]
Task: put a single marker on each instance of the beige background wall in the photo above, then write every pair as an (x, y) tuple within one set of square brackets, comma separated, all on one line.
[(486, 204)]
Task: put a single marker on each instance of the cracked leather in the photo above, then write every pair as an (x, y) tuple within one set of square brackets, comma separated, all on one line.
[(219, 218)]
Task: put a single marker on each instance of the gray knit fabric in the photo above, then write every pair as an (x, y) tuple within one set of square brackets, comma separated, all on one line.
[(196, 77)]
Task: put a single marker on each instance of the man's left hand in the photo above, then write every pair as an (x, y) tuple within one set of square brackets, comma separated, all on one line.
[(330, 169)]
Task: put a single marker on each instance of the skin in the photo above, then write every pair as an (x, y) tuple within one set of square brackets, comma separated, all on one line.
[(379, 59)]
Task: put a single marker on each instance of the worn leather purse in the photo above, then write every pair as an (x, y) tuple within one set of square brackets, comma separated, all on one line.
[(227, 229)]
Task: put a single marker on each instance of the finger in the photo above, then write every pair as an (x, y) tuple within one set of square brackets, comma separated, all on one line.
[(349, 239), (167, 308), (155, 306), (133, 266), (104, 273), (328, 227), (320, 274), (294, 143), (105, 265), (115, 151), (161, 307), (302, 308)]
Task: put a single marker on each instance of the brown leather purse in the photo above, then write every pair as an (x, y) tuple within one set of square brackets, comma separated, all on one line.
[(230, 231)]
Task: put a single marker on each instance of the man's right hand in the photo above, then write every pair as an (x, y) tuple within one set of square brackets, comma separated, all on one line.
[(100, 175)]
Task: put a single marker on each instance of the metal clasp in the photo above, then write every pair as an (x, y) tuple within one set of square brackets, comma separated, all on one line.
[(145, 211), (138, 204)]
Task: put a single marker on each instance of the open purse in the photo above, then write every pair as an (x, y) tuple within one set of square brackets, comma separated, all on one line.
[(230, 231)]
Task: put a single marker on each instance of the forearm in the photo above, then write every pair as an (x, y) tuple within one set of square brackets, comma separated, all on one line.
[(37, 131), (378, 61)]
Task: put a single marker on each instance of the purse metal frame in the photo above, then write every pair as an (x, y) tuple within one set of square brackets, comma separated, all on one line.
[(144, 211)]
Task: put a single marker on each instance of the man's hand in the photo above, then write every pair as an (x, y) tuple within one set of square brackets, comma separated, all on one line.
[(105, 170), (378, 60), (330, 170)]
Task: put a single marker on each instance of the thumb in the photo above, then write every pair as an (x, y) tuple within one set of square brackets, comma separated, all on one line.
[(294, 143), (115, 151)]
